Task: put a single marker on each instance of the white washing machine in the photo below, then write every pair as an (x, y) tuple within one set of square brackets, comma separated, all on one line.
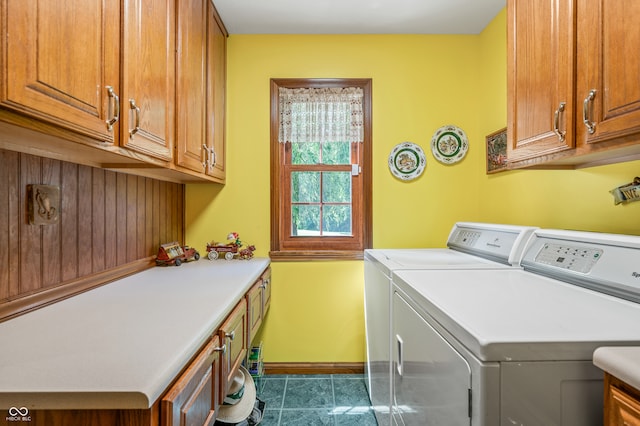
[(514, 347), (469, 246)]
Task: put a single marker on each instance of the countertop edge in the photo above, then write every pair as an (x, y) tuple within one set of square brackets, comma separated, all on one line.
[(622, 362)]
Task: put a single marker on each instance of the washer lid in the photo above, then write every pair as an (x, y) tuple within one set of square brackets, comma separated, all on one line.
[(471, 245), (389, 260), (513, 315)]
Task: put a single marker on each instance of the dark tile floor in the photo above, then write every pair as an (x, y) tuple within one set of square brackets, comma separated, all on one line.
[(307, 400)]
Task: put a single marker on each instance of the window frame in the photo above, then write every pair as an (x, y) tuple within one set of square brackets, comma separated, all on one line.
[(287, 248)]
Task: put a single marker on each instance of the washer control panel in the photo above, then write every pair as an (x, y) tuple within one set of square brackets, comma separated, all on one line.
[(566, 256), (465, 237)]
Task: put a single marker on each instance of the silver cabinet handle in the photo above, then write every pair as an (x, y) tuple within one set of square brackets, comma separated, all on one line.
[(556, 122), (231, 335), (207, 156), (587, 106), (114, 108), (222, 349), (136, 109)]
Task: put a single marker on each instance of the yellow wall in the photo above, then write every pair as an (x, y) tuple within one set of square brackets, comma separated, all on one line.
[(420, 82)]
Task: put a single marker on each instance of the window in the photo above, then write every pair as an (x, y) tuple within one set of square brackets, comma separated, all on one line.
[(320, 168)]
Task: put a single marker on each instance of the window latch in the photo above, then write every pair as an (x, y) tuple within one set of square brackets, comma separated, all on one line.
[(355, 169)]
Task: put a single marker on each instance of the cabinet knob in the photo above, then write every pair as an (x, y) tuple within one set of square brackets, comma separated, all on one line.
[(222, 349), (231, 335)]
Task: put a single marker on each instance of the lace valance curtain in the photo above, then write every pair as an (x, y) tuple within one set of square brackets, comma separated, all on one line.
[(321, 115)]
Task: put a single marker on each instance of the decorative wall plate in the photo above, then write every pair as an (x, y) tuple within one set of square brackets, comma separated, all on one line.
[(407, 161), (449, 144)]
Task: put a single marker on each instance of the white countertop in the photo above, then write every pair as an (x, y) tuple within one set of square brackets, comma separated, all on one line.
[(622, 362), (119, 345)]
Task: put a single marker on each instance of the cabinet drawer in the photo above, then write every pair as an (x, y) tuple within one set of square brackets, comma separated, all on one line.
[(194, 399), (233, 334)]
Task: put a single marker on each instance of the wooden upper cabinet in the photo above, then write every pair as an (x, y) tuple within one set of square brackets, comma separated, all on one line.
[(191, 83), (148, 77), (540, 78), (608, 89), (60, 61), (140, 84), (201, 63), (216, 84)]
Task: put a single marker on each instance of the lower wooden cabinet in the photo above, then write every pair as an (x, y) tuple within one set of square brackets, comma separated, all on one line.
[(194, 399), (258, 301), (233, 334), (196, 394), (621, 403), (266, 290)]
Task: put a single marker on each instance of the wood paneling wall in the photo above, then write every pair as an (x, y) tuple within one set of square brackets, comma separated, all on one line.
[(110, 225)]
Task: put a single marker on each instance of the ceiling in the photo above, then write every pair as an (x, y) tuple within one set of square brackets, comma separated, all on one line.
[(357, 16)]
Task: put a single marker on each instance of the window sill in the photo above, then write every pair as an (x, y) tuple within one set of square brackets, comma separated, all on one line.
[(311, 255)]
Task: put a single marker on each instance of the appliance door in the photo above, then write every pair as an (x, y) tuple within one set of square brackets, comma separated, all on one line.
[(377, 303), (431, 380)]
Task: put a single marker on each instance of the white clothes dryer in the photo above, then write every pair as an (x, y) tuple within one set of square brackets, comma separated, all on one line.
[(515, 347), (470, 245)]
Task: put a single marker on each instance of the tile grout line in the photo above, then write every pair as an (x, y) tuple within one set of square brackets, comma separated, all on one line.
[(284, 395), (333, 395)]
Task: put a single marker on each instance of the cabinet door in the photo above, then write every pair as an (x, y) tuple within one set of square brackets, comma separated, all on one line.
[(621, 403), (266, 291), (258, 302), (608, 85), (233, 333), (194, 399), (540, 78), (254, 311), (191, 90), (148, 77), (60, 59), (216, 86)]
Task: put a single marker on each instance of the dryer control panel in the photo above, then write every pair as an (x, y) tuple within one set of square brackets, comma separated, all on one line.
[(573, 258), (608, 263)]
